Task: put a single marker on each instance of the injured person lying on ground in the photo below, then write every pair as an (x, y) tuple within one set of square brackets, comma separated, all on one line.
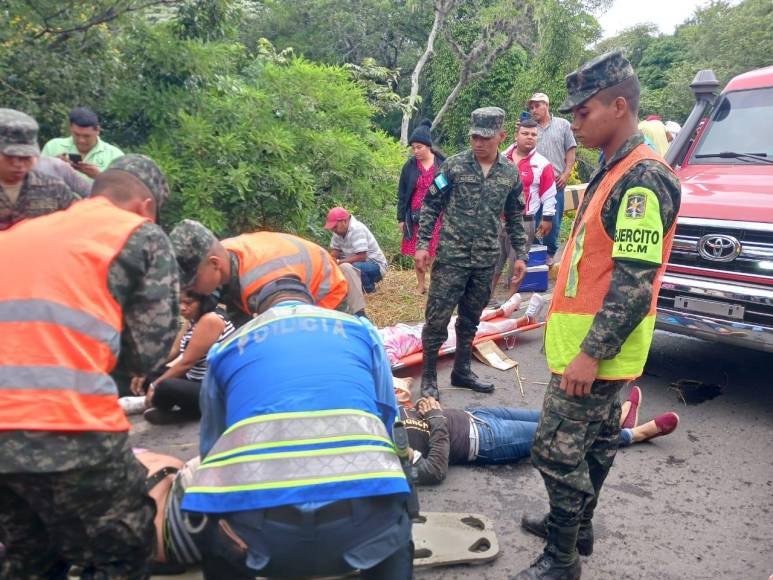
[(441, 437)]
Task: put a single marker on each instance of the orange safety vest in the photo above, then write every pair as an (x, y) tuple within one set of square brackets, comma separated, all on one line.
[(60, 326), (583, 282), (267, 256)]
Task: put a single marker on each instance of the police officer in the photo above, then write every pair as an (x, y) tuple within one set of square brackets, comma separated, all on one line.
[(602, 315), (473, 188), (241, 265), (84, 289), (24, 191), (297, 462)]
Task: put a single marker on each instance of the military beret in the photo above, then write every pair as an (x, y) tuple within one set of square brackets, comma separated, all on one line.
[(191, 242), (487, 121), (607, 70), (18, 134), (145, 169)]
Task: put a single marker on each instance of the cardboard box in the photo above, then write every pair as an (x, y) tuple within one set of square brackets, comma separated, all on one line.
[(573, 196)]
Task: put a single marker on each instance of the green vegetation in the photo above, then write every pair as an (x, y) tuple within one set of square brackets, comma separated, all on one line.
[(264, 114)]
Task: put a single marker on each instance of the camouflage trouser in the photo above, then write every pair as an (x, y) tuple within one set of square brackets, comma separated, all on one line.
[(470, 288), (574, 447), (98, 518)]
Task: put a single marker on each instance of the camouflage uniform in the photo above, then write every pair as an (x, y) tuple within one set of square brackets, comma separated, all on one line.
[(469, 245), (40, 194), (80, 497), (577, 437)]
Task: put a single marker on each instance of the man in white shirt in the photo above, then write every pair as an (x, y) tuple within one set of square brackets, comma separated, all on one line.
[(353, 243)]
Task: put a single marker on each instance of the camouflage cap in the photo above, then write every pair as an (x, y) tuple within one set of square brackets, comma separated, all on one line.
[(191, 242), (18, 134), (607, 70), (145, 169), (487, 121)]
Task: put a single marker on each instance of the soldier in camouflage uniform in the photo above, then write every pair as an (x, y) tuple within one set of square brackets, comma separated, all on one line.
[(473, 188), (25, 192), (78, 498), (594, 351)]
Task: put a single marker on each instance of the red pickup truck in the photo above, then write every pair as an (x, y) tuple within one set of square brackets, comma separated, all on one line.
[(719, 281)]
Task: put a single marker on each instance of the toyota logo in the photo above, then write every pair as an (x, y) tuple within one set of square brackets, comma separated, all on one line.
[(719, 248)]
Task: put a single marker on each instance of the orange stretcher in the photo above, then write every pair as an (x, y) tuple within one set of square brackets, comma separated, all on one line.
[(415, 358)]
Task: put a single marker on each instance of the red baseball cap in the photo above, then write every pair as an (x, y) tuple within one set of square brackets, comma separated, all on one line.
[(334, 216)]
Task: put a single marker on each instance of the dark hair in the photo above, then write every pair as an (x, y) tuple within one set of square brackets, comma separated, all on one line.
[(207, 302), (629, 89), (528, 123), (84, 117)]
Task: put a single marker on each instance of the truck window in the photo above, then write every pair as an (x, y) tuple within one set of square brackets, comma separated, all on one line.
[(742, 122)]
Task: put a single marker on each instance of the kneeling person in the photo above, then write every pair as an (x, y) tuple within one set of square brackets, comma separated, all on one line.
[(298, 466), (353, 243)]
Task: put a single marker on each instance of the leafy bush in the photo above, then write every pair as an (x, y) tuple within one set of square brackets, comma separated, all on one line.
[(270, 142)]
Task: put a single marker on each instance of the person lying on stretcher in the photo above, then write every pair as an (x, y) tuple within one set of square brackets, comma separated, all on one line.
[(493, 435), (402, 340)]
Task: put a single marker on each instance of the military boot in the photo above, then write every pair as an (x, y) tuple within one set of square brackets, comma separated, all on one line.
[(559, 561), (429, 377), (462, 375), (539, 527)]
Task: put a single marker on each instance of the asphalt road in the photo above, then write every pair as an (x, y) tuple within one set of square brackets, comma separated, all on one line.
[(696, 504)]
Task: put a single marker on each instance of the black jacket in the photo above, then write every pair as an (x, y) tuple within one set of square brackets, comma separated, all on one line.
[(408, 178)]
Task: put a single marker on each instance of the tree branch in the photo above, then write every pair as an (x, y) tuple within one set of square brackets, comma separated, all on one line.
[(107, 15)]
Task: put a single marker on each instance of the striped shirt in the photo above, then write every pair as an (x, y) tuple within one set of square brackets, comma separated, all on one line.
[(197, 371), (358, 238), (539, 184), (554, 141)]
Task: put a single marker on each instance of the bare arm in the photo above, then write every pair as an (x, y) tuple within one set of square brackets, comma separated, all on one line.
[(207, 331)]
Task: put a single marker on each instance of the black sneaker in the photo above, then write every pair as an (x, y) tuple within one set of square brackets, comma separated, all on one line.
[(161, 417)]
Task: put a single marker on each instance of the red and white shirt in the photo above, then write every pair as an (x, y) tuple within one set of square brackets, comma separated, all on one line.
[(539, 183)]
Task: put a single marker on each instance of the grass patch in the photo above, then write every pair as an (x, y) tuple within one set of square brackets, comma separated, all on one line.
[(395, 300)]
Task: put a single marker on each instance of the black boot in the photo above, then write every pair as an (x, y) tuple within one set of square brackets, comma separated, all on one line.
[(462, 375), (559, 561), (538, 527), (429, 377)]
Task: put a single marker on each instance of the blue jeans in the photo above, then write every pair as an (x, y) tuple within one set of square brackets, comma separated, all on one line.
[(551, 240), (370, 273), (372, 535), (505, 434)]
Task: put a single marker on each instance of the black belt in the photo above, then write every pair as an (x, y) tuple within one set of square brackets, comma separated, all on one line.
[(153, 480), (528, 218)]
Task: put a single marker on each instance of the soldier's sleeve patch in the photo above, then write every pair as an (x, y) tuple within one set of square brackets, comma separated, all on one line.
[(639, 229), (440, 181)]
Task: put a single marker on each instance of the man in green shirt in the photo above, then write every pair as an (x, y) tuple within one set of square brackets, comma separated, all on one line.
[(95, 154)]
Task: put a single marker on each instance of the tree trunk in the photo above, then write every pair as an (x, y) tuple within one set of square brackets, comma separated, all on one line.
[(440, 16)]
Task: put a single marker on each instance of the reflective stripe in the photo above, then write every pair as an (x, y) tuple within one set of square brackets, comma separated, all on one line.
[(324, 287), (266, 268), (55, 313), (298, 443), (573, 277), (56, 378), (565, 333), (302, 250), (284, 428), (254, 472)]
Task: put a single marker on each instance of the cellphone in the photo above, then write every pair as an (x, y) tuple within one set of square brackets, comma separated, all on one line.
[(75, 157)]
